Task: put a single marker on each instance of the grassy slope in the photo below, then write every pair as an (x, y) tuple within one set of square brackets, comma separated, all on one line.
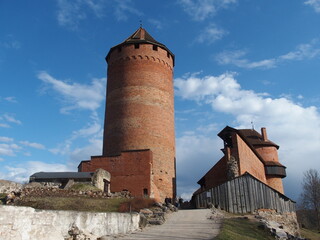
[(72, 203), (244, 229), (310, 234)]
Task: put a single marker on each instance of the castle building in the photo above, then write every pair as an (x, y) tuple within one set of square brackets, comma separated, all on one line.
[(139, 136), (246, 151)]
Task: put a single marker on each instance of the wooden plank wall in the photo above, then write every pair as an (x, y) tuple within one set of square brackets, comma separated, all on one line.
[(244, 194)]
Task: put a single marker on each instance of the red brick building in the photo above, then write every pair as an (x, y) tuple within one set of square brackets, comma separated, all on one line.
[(246, 151), (139, 138)]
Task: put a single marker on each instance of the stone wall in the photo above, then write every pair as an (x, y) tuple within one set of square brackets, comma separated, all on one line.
[(9, 186), (25, 223)]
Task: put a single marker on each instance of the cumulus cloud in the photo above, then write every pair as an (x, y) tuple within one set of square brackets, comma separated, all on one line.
[(237, 57), (294, 127), (315, 4), (71, 13), (211, 34), (21, 173), (199, 10), (75, 95)]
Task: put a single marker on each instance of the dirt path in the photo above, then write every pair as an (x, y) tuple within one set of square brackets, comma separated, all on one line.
[(185, 224)]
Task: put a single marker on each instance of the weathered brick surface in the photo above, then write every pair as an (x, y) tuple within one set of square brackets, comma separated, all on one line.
[(248, 161), (140, 112), (129, 171)]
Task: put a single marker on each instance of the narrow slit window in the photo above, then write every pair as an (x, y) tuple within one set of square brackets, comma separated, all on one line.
[(155, 48), (136, 45), (145, 192)]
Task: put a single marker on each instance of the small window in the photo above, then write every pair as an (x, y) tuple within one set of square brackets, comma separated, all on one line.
[(136, 45), (145, 192), (155, 48), (168, 55)]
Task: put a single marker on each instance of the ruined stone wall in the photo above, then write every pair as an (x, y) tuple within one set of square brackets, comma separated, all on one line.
[(140, 109), (248, 161), (25, 223), (129, 171)]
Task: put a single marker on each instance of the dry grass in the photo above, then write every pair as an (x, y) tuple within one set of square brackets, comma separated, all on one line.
[(135, 204), (244, 229), (72, 203), (84, 187), (310, 234)]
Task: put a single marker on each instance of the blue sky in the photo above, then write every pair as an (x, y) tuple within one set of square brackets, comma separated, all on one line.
[(237, 62)]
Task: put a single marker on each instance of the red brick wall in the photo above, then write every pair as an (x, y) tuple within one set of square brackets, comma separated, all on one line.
[(130, 170), (140, 109), (276, 183), (217, 174), (268, 153), (248, 161)]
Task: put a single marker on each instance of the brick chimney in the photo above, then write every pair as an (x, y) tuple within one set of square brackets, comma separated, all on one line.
[(264, 134)]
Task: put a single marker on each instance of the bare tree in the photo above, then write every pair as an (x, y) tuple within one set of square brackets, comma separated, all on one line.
[(311, 193)]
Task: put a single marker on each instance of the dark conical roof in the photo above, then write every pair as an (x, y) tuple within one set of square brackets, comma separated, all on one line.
[(141, 36)]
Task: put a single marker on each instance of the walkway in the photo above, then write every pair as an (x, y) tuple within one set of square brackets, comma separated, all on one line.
[(185, 224)]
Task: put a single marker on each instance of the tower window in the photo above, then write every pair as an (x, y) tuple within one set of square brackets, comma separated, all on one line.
[(168, 55), (136, 45), (155, 48), (145, 192)]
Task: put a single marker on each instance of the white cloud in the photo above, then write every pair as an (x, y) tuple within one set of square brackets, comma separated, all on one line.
[(315, 4), (295, 128), (158, 24), (11, 99), (71, 13), (75, 95), (211, 34), (200, 10), (11, 119), (192, 150), (6, 139), (33, 144), (237, 57), (8, 149), (4, 125), (123, 8), (22, 173), (9, 42)]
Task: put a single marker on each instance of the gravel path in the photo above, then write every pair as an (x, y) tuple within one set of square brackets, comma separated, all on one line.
[(185, 224)]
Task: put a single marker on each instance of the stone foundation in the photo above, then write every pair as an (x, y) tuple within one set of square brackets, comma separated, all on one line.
[(25, 223)]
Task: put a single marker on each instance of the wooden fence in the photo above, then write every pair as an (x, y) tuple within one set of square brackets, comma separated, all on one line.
[(244, 194)]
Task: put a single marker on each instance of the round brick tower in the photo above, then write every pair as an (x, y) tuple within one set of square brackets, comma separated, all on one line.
[(275, 171), (140, 106)]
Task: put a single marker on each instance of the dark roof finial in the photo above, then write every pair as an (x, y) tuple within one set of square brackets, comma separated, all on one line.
[(140, 23), (252, 124)]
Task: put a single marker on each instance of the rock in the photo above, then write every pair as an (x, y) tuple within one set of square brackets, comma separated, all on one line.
[(146, 211), (143, 221)]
